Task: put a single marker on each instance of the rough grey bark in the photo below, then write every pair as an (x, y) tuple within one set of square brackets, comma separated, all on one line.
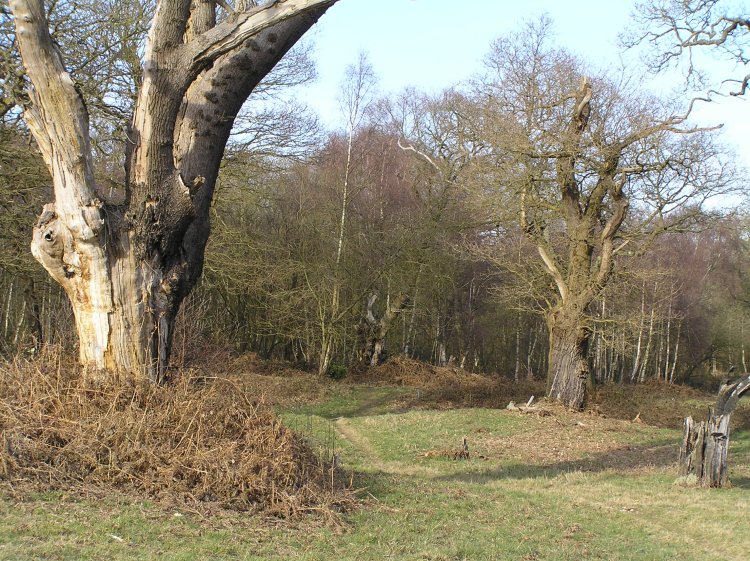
[(705, 445), (568, 371), (568, 374), (126, 267), (593, 205), (575, 152)]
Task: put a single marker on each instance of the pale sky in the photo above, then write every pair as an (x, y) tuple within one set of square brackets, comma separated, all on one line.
[(433, 44)]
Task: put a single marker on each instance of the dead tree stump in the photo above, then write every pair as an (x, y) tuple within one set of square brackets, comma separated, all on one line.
[(705, 445)]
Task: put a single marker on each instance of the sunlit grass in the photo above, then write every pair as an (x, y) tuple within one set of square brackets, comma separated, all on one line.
[(509, 501)]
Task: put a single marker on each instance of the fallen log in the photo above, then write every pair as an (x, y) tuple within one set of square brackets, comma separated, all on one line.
[(523, 408), (528, 408)]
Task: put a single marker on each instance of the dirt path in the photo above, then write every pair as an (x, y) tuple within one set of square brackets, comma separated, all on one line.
[(348, 432), (374, 461)]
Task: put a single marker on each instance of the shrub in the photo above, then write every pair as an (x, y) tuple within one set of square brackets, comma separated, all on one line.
[(336, 372)]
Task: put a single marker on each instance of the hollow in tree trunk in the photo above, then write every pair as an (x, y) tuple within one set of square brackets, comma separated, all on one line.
[(705, 445)]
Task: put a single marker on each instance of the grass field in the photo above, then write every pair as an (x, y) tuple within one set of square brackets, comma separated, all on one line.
[(557, 487)]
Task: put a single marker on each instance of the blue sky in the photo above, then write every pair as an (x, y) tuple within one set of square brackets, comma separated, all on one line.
[(433, 44)]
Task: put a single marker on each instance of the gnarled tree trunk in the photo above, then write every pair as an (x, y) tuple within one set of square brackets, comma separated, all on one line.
[(568, 375), (705, 445), (590, 224), (374, 331), (127, 265)]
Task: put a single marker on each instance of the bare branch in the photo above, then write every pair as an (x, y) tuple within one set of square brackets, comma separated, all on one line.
[(410, 148), (58, 115), (233, 33), (743, 86), (554, 270), (674, 29)]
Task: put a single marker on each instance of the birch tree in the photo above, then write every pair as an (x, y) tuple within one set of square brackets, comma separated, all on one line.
[(357, 94), (127, 264)]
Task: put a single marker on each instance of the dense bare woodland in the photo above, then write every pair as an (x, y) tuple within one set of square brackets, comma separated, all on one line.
[(539, 221)]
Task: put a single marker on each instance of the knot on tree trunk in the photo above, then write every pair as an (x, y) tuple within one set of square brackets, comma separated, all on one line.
[(52, 245), (67, 244)]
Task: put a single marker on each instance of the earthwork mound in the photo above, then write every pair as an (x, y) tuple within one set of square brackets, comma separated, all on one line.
[(450, 385)]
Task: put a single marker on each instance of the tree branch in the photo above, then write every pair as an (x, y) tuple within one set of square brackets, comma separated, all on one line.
[(410, 148), (168, 27), (729, 394), (233, 33), (211, 105), (202, 18), (58, 118), (621, 204), (553, 270), (743, 86)]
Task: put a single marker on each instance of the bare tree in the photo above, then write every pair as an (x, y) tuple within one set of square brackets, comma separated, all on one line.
[(578, 153), (674, 30), (438, 132), (357, 94), (23, 187), (127, 265)]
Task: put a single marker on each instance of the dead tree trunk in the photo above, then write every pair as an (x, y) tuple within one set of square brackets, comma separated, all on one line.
[(705, 445), (127, 266), (374, 330)]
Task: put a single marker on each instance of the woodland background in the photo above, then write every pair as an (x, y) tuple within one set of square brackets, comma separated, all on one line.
[(396, 228)]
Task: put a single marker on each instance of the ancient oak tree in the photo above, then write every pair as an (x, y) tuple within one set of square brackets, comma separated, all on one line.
[(127, 263), (595, 168)]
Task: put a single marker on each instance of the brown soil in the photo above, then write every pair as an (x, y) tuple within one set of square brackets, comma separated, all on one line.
[(277, 383), (654, 404), (569, 441), (662, 405), (214, 441)]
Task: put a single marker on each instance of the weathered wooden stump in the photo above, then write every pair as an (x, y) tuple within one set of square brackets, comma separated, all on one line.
[(705, 445)]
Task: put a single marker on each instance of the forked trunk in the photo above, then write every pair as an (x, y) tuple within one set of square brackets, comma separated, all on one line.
[(325, 354), (127, 265), (567, 378), (705, 445), (373, 331)]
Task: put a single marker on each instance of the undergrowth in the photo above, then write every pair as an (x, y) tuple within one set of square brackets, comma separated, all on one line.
[(202, 441)]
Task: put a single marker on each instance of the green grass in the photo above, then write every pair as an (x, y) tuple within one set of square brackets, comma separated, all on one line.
[(356, 401), (510, 505)]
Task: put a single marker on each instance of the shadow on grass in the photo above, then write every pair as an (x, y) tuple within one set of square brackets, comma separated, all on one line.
[(358, 402), (379, 402), (740, 482), (625, 459)]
